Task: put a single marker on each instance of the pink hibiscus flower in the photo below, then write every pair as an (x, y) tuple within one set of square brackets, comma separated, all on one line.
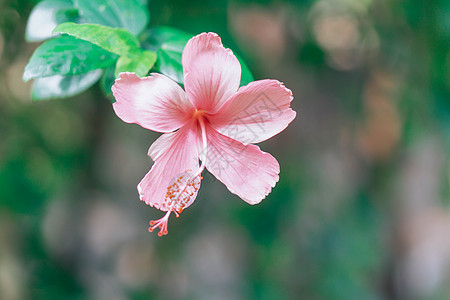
[(214, 122)]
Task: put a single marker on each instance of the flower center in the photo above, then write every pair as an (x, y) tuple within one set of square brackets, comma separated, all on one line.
[(183, 189), (198, 114)]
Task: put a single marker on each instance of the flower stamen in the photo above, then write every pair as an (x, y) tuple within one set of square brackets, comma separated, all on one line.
[(182, 191), (161, 223)]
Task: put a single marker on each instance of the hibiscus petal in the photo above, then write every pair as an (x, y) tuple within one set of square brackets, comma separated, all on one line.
[(245, 170), (174, 154), (155, 102), (256, 112), (211, 72)]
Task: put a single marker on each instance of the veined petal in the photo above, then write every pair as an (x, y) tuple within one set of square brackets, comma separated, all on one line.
[(245, 170), (211, 72), (176, 156), (155, 102), (256, 112)]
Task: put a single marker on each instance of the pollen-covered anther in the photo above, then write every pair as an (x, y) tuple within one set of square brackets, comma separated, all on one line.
[(182, 191), (180, 194)]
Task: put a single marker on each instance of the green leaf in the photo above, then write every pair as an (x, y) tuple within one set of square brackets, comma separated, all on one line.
[(143, 2), (118, 41), (246, 75), (169, 63), (58, 86), (46, 15), (107, 81), (67, 55), (139, 64), (169, 44), (129, 14), (155, 37)]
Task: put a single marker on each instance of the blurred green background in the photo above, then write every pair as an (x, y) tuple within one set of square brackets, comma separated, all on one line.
[(361, 210)]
